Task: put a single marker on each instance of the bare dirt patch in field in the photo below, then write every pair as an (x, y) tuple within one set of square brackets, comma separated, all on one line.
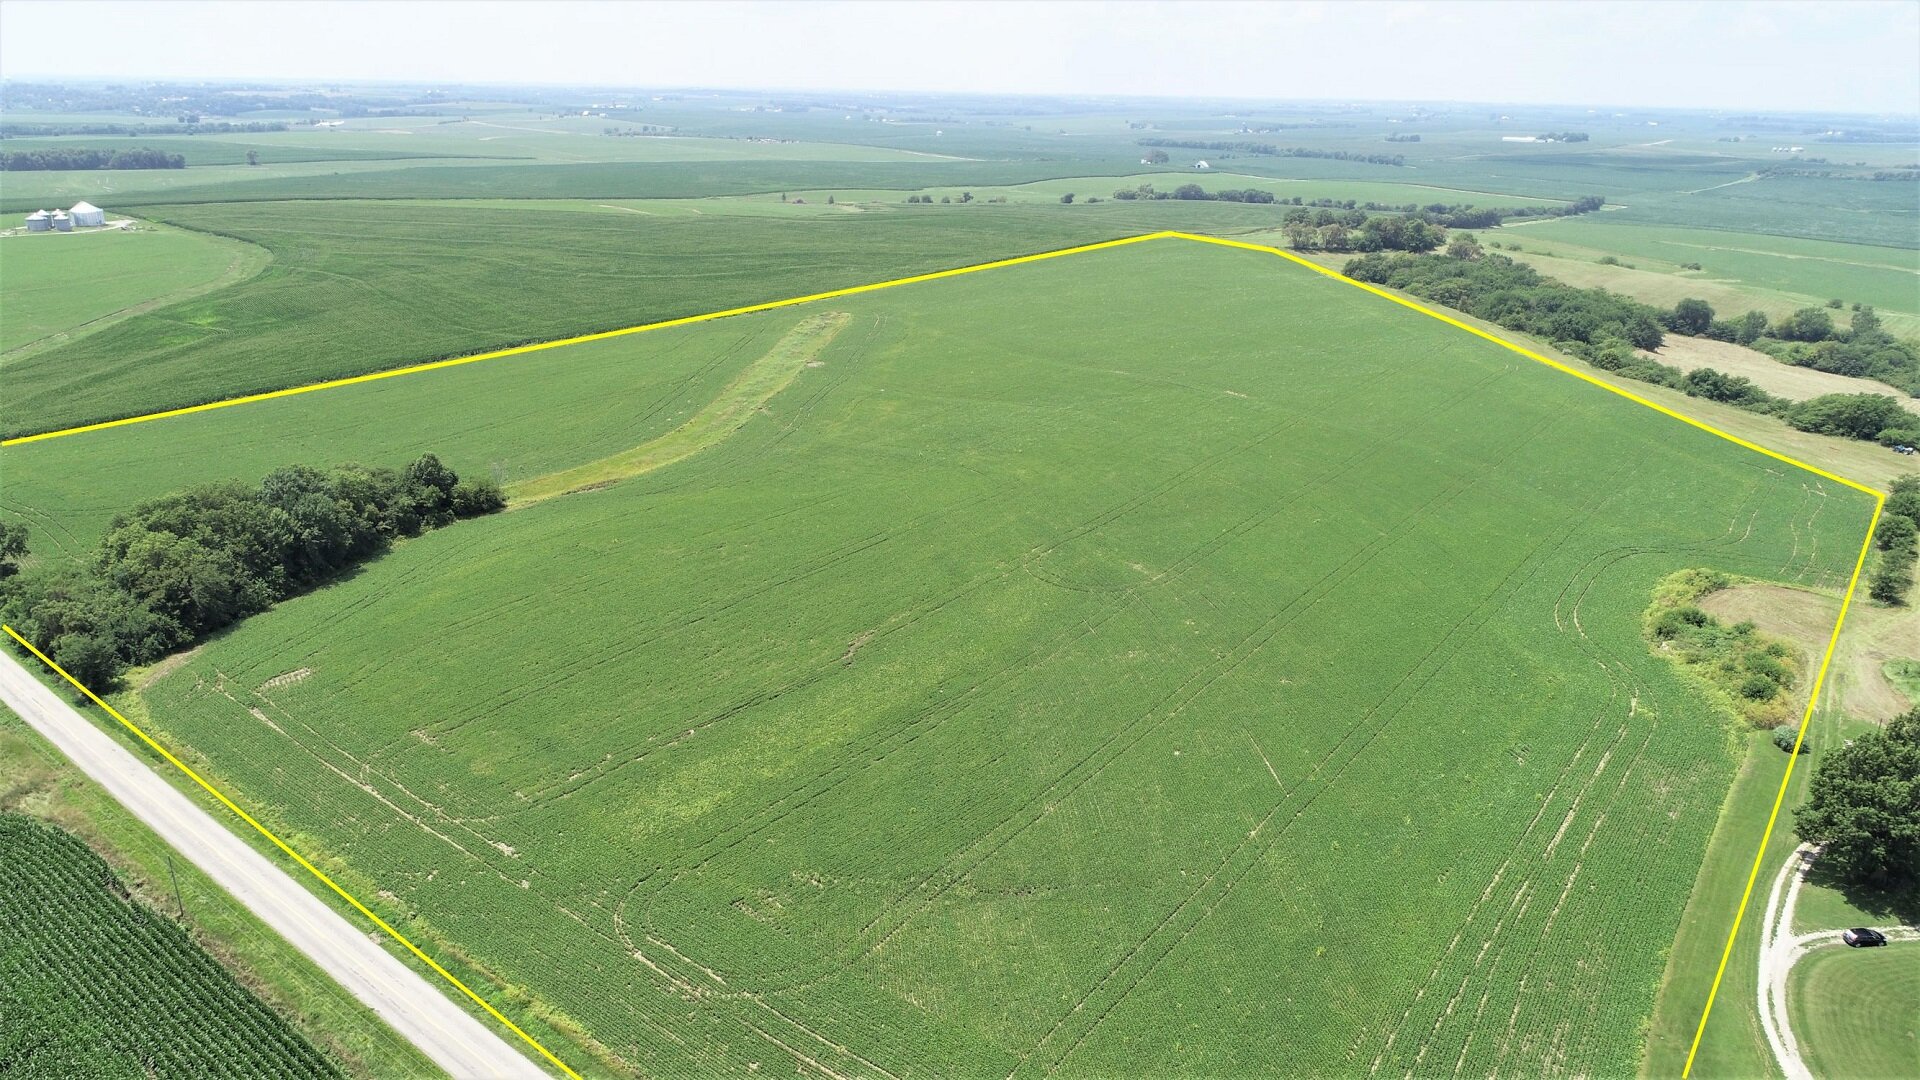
[(1800, 617), (1874, 634)]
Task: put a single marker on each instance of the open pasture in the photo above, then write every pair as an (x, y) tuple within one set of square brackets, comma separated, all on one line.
[(1159, 659)]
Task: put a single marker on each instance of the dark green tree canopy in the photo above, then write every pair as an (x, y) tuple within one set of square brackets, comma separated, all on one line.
[(1863, 807)]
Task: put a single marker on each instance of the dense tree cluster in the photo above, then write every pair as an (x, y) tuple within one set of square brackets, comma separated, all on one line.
[(1563, 136), (61, 160), (1324, 230), (13, 545), (1439, 216), (1410, 137), (1897, 539), (1863, 807), (1270, 150), (1516, 296), (1195, 191), (179, 567), (1809, 338)]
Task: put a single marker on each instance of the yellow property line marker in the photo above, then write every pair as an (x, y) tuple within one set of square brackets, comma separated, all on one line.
[(1758, 858), (540, 346), (1833, 639), (294, 855)]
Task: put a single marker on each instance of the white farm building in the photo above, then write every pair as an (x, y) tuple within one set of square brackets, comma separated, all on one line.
[(84, 214)]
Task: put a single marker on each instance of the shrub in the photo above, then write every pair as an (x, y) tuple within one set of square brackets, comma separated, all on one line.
[(1673, 622), (1786, 736), (475, 497)]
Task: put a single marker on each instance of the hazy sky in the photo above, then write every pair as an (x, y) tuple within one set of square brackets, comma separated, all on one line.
[(1785, 54)]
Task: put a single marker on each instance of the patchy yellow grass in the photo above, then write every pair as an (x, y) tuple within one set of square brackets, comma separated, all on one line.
[(1786, 380), (716, 421)]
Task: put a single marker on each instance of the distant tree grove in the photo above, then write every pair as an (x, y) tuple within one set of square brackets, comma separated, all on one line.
[(65, 160), (1270, 150)]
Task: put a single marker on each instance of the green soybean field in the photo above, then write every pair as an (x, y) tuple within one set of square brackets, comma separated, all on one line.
[(1161, 660)]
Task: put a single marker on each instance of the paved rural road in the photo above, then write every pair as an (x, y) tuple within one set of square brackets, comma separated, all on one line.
[(1780, 950), (416, 1008)]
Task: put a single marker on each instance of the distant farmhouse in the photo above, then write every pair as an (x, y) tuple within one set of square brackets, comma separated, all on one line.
[(84, 214)]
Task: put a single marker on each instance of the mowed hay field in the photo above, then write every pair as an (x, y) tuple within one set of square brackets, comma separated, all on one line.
[(1157, 660)]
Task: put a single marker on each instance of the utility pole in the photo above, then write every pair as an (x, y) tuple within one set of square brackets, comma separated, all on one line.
[(180, 905)]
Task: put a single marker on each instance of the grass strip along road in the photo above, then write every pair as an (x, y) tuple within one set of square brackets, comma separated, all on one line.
[(417, 1009)]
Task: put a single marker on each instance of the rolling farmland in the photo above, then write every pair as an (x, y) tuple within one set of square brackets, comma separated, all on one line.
[(93, 984), (1252, 677), (123, 272), (358, 286)]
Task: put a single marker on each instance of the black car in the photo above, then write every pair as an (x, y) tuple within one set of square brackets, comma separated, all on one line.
[(1862, 938)]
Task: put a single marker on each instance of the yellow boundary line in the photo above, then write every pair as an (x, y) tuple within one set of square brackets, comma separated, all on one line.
[(294, 855), (540, 346), (1758, 858)]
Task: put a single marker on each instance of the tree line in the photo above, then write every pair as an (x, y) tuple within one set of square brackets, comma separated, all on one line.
[(1516, 296), (74, 159), (198, 127), (1340, 226), (177, 568), (1897, 538), (1611, 332), (1403, 138), (1270, 150), (1196, 192)]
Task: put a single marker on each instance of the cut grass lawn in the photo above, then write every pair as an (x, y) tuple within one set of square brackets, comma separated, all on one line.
[(1856, 1012), (1049, 682)]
